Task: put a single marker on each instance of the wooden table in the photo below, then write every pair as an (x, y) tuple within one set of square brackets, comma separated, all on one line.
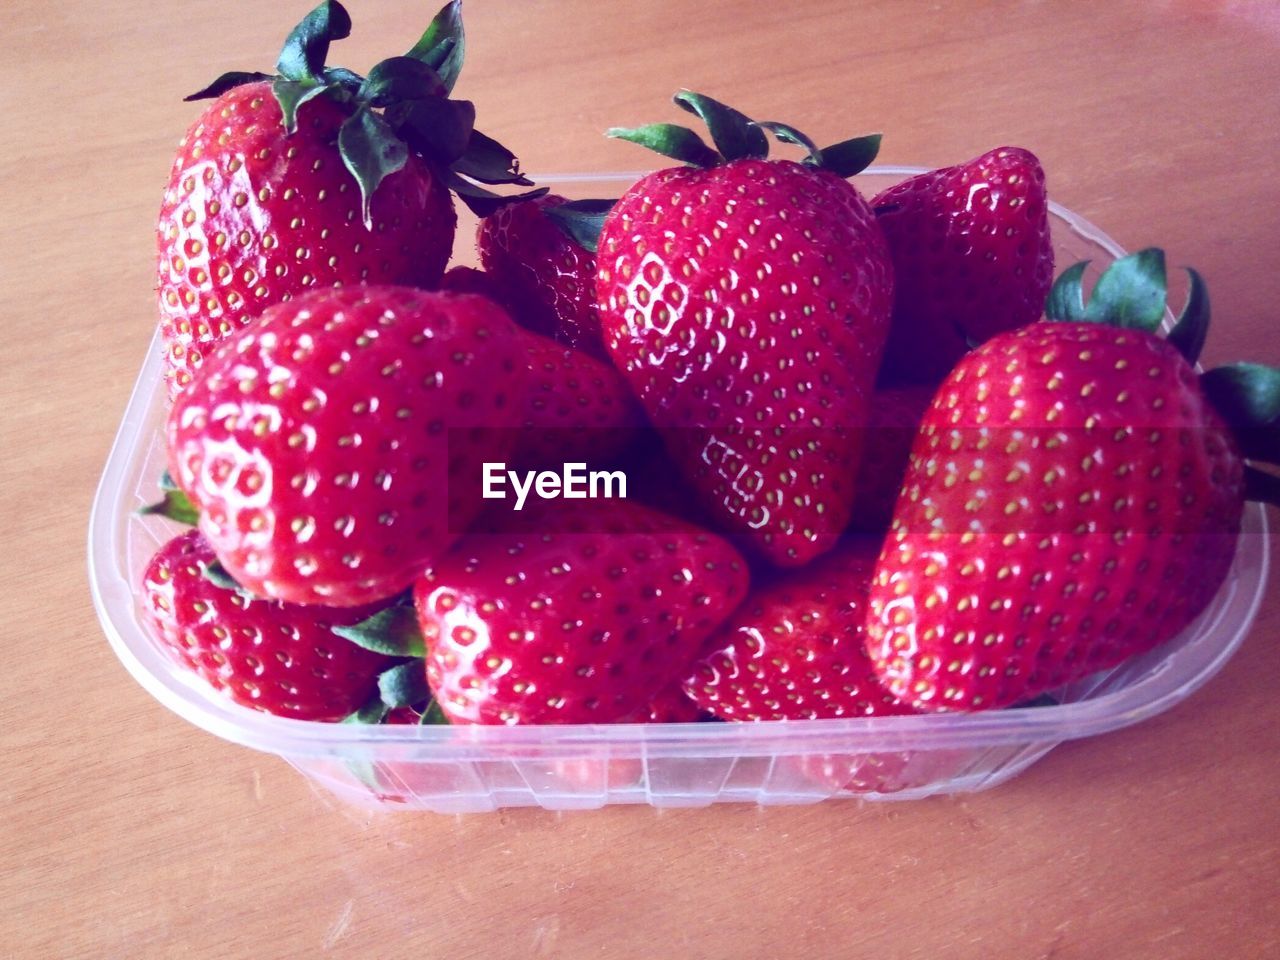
[(127, 833)]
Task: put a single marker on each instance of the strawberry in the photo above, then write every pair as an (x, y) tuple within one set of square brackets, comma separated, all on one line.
[(471, 280), (881, 771), (747, 301), (576, 408), (794, 650), (314, 178), (547, 276), (277, 657), (592, 775), (971, 254), (895, 417), (671, 705), (332, 449), (654, 480), (1073, 498), (572, 627)]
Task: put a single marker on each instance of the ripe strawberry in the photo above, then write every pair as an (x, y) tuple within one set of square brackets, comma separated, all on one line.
[(794, 650), (314, 178), (654, 480), (1073, 499), (548, 276), (576, 408), (671, 705), (591, 774), (568, 627), (971, 254), (881, 771), (253, 216), (747, 300), (895, 418), (471, 280), (278, 657), (332, 449)]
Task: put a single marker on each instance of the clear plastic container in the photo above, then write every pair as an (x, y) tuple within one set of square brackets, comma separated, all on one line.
[(465, 769)]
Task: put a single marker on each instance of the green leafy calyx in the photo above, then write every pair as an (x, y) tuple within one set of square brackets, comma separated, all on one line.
[(403, 106), (404, 685), (737, 137), (1132, 294), (173, 504), (581, 220), (393, 631)]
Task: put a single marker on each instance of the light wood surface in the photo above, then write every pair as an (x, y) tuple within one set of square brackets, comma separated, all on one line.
[(127, 833)]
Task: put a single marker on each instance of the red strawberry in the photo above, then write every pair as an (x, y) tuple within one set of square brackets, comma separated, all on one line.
[(576, 408), (794, 650), (315, 178), (747, 301), (319, 444), (532, 627), (895, 418), (971, 255), (548, 277), (253, 216), (402, 716), (1073, 499), (671, 705), (278, 657), (881, 771), (471, 280), (591, 774), (654, 480)]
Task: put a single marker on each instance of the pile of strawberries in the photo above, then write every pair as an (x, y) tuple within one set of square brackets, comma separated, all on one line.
[(865, 476)]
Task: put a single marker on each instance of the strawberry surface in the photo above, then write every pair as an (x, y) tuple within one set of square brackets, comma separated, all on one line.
[(548, 278), (576, 408), (253, 216), (972, 256), (334, 448), (895, 417), (277, 657), (794, 650), (592, 774), (572, 627), (1072, 500), (471, 280), (747, 305)]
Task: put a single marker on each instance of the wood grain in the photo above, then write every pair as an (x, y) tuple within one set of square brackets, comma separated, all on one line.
[(129, 834)]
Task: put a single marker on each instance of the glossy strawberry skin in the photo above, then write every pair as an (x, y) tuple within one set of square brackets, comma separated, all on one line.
[(794, 650), (576, 408), (972, 255), (320, 444), (592, 774), (1072, 501), (547, 277), (896, 412), (747, 305), (564, 627), (252, 217), (280, 658), (471, 280), (882, 771)]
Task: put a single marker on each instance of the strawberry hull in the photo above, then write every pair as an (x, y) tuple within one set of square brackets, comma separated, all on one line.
[(472, 769)]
